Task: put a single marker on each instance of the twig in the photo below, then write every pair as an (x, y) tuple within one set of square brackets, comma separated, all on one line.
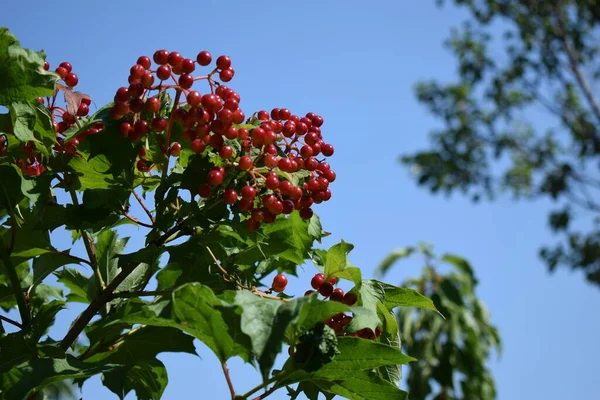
[(583, 84), (266, 393), (228, 378), (136, 221), (10, 321), (105, 295), (15, 284), (139, 199), (88, 245), (140, 293)]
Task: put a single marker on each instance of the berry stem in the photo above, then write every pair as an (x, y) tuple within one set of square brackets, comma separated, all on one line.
[(228, 378), (169, 131), (139, 199)]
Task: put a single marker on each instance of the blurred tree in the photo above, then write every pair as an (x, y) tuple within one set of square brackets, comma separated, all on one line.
[(547, 58), (451, 353)]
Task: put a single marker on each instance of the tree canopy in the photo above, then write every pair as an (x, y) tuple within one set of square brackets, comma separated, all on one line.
[(514, 59)]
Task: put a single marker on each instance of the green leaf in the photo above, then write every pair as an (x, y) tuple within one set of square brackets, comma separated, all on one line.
[(108, 245), (23, 118), (202, 314), (404, 297), (462, 265), (148, 379), (337, 264), (363, 385), (41, 372), (77, 283), (315, 230), (288, 238), (312, 311), (23, 77), (47, 263), (197, 311), (15, 349), (145, 343), (361, 354), (391, 258)]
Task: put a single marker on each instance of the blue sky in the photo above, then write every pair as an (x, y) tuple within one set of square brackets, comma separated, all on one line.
[(355, 63)]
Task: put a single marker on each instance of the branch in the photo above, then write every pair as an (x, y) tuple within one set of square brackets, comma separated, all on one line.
[(228, 378), (102, 298), (106, 295), (136, 221), (140, 293), (15, 284), (88, 245), (573, 63), (10, 321), (139, 199)]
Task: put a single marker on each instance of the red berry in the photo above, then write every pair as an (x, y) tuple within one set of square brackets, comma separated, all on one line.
[(144, 62), (252, 225), (159, 124), (279, 283), (257, 215), (147, 80), (66, 65), (333, 280), (227, 74), (204, 190), (230, 196), (153, 104), (326, 289), (46, 65), (248, 192), (226, 152), (245, 163), (211, 102), (175, 149), (194, 98), (71, 79), (62, 72), (175, 59), (223, 62), (337, 295), (186, 81), (163, 72), (317, 281), (306, 213), (161, 57), (215, 178), (284, 114), (350, 298), (309, 292), (188, 66), (137, 71), (204, 58), (83, 110), (327, 150), (198, 146)]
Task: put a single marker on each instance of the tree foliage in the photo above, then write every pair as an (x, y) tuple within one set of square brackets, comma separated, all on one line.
[(201, 272), (547, 58), (452, 353)]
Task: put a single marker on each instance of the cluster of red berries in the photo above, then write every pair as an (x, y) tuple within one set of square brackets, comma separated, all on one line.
[(271, 146), (31, 163), (326, 288)]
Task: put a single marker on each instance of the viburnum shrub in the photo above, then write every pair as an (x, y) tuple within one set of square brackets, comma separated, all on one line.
[(225, 200)]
